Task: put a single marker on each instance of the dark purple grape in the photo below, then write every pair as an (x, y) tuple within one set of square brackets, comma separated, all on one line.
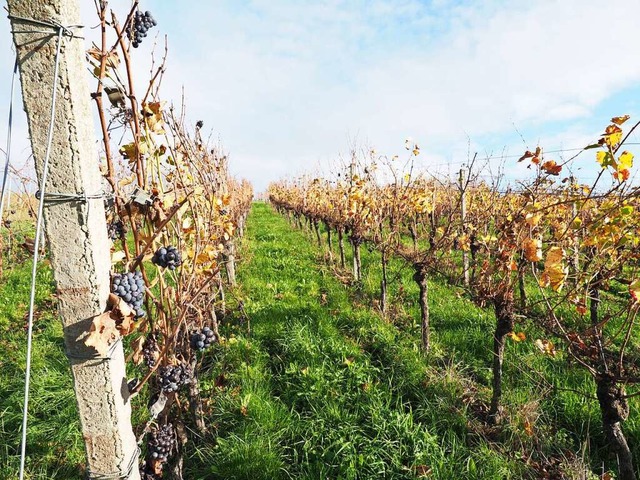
[(130, 288), (167, 257), (204, 339)]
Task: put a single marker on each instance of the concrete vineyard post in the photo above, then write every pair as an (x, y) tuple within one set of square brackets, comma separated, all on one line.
[(76, 230)]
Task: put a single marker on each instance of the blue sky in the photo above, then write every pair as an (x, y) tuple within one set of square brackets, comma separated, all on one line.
[(288, 86)]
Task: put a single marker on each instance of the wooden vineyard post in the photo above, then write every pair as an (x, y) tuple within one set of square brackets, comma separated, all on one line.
[(75, 227)]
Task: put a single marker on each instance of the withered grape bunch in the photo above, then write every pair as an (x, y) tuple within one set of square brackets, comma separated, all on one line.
[(115, 230), (161, 443), (150, 350), (172, 377)]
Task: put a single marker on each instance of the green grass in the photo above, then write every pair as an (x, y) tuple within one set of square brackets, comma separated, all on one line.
[(331, 390), (54, 444), (324, 387)]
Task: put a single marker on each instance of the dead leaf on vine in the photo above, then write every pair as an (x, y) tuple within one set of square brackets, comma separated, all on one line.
[(122, 314), (127, 180), (102, 334), (551, 167), (152, 113), (136, 347), (526, 155), (117, 257), (113, 61), (554, 271), (620, 120), (533, 219), (532, 249), (158, 214), (128, 151)]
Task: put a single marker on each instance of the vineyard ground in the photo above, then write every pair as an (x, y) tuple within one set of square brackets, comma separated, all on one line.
[(323, 386)]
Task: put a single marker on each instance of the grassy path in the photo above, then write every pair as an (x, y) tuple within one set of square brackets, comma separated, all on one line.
[(322, 389)]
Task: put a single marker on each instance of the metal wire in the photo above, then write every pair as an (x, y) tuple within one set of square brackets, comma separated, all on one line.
[(48, 198), (120, 475), (5, 176), (50, 24), (36, 251), (52, 197)]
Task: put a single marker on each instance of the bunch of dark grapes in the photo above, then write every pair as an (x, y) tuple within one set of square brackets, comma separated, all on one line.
[(172, 377), (167, 257), (130, 288), (203, 339), (142, 22), (147, 472), (150, 351), (115, 230), (161, 443)]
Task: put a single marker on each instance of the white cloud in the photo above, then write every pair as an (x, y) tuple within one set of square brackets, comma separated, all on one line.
[(286, 84)]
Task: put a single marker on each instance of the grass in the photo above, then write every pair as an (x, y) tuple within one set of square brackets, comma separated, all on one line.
[(54, 444), (323, 386)]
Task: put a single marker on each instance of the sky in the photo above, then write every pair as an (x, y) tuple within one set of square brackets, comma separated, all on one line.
[(289, 87)]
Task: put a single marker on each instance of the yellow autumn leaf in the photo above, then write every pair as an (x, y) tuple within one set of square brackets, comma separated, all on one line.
[(604, 158), (546, 347), (533, 219), (555, 272), (613, 139), (517, 337), (625, 160)]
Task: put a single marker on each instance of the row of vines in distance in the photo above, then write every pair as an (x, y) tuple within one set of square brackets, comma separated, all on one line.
[(575, 242)]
